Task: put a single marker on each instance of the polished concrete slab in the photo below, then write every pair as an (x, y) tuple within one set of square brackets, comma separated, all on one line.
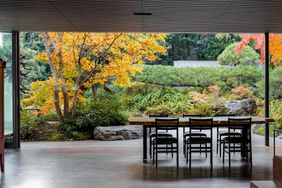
[(108, 164)]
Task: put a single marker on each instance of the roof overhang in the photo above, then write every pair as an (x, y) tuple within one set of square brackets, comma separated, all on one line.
[(118, 15)]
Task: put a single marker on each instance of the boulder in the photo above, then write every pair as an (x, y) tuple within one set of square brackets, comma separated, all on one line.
[(118, 132), (241, 107)]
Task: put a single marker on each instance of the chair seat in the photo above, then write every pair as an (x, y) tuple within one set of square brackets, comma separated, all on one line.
[(161, 134), (195, 133), (233, 139), (225, 133), (199, 140), (165, 140)]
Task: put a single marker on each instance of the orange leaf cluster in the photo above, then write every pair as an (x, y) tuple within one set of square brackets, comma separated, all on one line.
[(275, 46)]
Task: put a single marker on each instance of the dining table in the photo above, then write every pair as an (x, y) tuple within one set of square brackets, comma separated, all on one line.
[(149, 122)]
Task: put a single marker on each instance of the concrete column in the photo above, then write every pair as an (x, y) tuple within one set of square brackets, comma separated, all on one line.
[(2, 67), (266, 86)]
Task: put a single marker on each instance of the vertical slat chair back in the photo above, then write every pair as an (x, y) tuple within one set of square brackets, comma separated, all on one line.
[(159, 116), (224, 115), (167, 123), (239, 123), (201, 124), (244, 125), (190, 116)]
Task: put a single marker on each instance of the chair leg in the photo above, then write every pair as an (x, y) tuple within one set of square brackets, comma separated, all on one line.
[(206, 150), (217, 130), (211, 156), (166, 149), (177, 156), (156, 149), (190, 156), (251, 152), (184, 149), (229, 157), (220, 142), (184, 146), (216, 145), (200, 147), (187, 153), (223, 152), (2, 162), (153, 155), (150, 148)]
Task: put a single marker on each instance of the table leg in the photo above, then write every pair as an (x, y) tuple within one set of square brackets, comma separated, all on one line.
[(245, 140), (144, 144)]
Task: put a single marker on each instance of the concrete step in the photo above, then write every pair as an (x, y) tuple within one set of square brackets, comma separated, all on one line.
[(277, 168), (264, 184)]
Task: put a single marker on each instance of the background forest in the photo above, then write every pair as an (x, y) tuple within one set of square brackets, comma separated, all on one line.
[(73, 82)]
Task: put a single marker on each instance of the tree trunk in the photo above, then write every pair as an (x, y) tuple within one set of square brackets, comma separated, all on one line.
[(62, 77), (57, 105), (55, 78), (94, 91), (74, 101), (66, 101)]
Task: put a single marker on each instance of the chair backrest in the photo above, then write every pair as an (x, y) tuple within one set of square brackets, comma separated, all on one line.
[(201, 124), (157, 115), (191, 115), (166, 123), (239, 123), (224, 115)]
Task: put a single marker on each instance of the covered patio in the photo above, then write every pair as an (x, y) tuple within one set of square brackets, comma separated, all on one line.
[(119, 163)]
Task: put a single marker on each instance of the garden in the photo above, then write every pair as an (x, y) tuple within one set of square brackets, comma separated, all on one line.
[(74, 82)]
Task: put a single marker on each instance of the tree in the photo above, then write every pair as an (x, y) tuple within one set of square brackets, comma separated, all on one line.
[(79, 61), (230, 57), (275, 46), (190, 46)]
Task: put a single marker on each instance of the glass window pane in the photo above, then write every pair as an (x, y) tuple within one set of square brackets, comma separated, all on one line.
[(6, 55)]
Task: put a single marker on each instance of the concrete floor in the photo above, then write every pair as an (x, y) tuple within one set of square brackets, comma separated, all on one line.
[(115, 164)]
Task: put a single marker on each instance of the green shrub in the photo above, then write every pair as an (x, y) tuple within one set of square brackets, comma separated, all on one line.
[(201, 77), (261, 130), (36, 128), (163, 97), (230, 57), (170, 109), (275, 83), (208, 109), (105, 111), (28, 123), (275, 109)]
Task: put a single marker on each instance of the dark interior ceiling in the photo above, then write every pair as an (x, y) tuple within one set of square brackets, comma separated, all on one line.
[(117, 15)]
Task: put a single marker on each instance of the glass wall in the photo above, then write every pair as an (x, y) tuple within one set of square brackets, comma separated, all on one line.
[(6, 55), (275, 84)]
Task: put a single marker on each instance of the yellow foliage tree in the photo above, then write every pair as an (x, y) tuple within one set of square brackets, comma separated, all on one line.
[(79, 61)]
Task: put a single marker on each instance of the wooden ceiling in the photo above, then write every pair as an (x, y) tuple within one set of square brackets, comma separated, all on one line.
[(118, 15)]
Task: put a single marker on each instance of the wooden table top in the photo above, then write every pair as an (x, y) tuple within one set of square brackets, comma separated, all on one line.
[(148, 121)]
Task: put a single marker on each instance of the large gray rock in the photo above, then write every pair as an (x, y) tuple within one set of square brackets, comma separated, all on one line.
[(118, 132), (241, 107)]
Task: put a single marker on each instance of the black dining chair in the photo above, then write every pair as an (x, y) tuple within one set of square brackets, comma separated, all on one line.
[(222, 132), (163, 132), (195, 133), (166, 144), (238, 144), (199, 144)]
